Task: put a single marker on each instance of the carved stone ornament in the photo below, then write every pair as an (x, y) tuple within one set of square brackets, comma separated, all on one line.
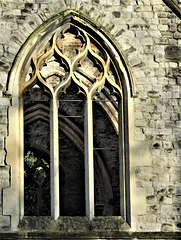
[(71, 54)]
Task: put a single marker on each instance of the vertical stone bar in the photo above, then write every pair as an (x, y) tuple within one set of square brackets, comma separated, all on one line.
[(89, 159), (21, 155), (127, 164), (54, 158), (121, 159)]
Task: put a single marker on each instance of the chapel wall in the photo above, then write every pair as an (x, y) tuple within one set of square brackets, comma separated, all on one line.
[(149, 34)]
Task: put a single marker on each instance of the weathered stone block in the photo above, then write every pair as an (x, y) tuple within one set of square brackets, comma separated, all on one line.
[(13, 47), (162, 15), (4, 101), (147, 15), (166, 209), (2, 157), (160, 72), (160, 124), (138, 8), (141, 34), (159, 57), (139, 137), (151, 218), (138, 115), (173, 65), (4, 222), (172, 42), (154, 21), (147, 8), (4, 177), (147, 41), (155, 33), (135, 62), (150, 227), (163, 27), (164, 21), (151, 199), (16, 12), (172, 27), (167, 227), (153, 94), (168, 200), (177, 35), (1, 142), (173, 52), (144, 173), (170, 123), (147, 184), (179, 152), (1, 50), (158, 8), (4, 36), (116, 14), (155, 152), (178, 124), (3, 119), (157, 2)]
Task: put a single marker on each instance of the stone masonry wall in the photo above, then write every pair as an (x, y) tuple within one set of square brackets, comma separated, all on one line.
[(150, 36)]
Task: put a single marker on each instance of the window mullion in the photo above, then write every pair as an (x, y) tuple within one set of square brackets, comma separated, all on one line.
[(54, 158), (121, 160), (89, 161)]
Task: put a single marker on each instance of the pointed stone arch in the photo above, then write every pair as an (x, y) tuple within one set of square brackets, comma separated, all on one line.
[(123, 85)]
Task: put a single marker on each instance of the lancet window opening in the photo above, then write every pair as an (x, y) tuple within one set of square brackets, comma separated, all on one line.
[(89, 66)]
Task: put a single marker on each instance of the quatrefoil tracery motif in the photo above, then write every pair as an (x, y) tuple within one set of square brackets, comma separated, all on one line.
[(71, 55)]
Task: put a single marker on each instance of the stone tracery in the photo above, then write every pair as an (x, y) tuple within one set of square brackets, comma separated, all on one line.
[(71, 55)]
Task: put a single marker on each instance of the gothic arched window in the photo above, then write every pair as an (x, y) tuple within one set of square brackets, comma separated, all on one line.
[(73, 89)]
